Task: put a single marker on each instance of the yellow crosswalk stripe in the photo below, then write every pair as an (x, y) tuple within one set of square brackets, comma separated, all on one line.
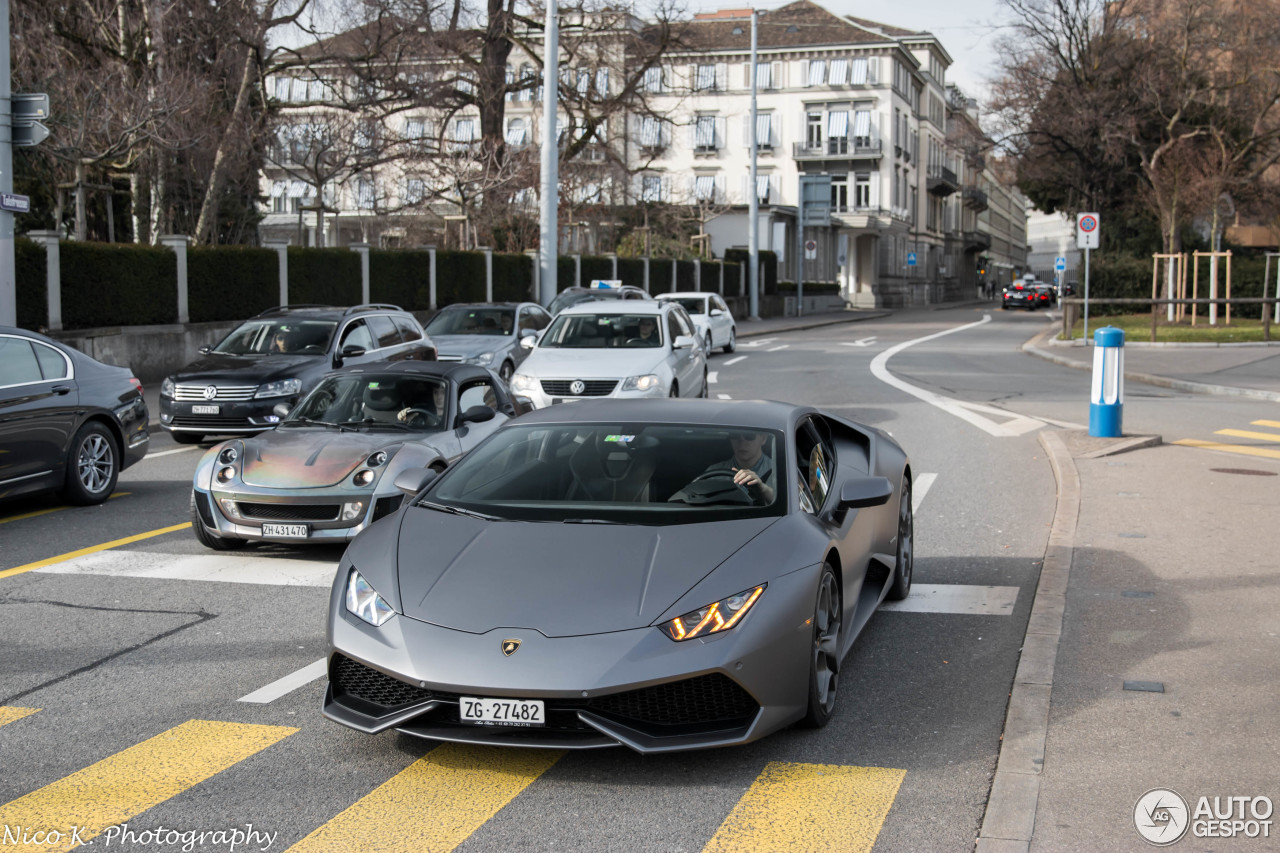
[(1244, 433), (802, 807), (434, 803), (93, 549), (9, 713), (83, 805), (1244, 450), (1272, 424)]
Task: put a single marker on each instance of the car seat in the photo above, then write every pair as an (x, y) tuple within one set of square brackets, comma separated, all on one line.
[(613, 468), (381, 403)]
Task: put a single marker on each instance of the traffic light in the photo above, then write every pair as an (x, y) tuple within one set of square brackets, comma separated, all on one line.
[(982, 264)]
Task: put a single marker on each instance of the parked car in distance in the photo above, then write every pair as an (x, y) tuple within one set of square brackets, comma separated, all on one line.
[(1018, 294), (1044, 295), (329, 470), (576, 295), (68, 423), (614, 349), (278, 356), (487, 334), (711, 317)]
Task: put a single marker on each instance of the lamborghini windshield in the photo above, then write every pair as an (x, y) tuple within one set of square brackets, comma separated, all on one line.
[(388, 401), (632, 473)]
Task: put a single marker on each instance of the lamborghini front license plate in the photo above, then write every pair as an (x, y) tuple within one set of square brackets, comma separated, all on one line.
[(502, 712)]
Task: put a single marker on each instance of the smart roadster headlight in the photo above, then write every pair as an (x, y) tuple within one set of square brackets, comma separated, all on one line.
[(641, 383), (713, 618), (363, 600), (280, 388)]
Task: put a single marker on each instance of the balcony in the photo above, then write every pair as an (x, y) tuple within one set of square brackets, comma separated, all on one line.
[(838, 148), (976, 241), (942, 181), (975, 199)]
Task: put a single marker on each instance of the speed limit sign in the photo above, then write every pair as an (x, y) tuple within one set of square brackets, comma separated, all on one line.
[(1087, 231)]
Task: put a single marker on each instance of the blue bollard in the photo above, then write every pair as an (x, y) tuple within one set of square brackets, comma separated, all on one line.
[(1106, 401)]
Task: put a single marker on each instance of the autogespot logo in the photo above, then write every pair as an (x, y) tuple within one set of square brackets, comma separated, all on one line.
[(1160, 816)]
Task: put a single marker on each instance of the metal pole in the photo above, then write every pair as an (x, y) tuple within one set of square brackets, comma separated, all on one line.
[(799, 240), (1086, 296), (550, 243), (1276, 318), (753, 196), (8, 277)]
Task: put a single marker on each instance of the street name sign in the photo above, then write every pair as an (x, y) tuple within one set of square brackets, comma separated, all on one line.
[(1087, 231), (15, 203)]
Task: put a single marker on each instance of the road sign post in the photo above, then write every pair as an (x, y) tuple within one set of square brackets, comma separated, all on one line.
[(1087, 239)]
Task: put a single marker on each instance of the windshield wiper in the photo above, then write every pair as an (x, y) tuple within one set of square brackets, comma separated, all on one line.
[(300, 421), (457, 510), (587, 521), (370, 422)]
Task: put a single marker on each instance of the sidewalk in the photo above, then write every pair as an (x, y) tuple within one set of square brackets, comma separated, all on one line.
[(1150, 657), (1240, 370)]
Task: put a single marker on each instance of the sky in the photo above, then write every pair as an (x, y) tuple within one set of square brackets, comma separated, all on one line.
[(966, 28)]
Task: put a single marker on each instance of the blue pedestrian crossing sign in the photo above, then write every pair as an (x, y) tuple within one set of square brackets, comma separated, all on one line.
[(911, 259), (1060, 264)]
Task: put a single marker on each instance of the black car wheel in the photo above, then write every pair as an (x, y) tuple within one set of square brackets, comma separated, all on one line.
[(506, 371), (706, 386), (906, 546), (706, 344), (206, 538), (675, 390), (92, 466), (187, 437), (733, 341), (824, 660)]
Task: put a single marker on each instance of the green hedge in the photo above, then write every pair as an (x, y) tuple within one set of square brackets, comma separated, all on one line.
[(565, 269), (31, 277), (686, 276), (231, 282), (110, 284), (459, 277), (513, 278), (1116, 276), (324, 276), (768, 263), (732, 274), (596, 267), (660, 276), (811, 288), (400, 277), (631, 271)]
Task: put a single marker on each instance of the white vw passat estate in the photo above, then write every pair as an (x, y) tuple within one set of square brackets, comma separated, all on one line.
[(626, 349), (710, 316)]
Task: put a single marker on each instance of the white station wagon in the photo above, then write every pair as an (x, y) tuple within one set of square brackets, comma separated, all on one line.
[(711, 317), (623, 349)]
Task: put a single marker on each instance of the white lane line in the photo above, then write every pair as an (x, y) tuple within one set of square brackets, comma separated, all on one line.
[(957, 598), (860, 342), (757, 343), (723, 397), (288, 684), (268, 571), (166, 453), (922, 485), (734, 360), (1010, 425), (775, 349), (713, 377)]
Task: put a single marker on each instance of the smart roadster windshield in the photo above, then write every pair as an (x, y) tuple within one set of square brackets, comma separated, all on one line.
[(630, 473)]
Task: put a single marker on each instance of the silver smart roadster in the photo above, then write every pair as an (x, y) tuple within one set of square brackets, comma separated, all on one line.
[(328, 470), (662, 575)]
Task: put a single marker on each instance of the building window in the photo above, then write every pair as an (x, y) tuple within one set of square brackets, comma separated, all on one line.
[(651, 188), (415, 133), (364, 194), (602, 82), (862, 191), (705, 79), (817, 72), (650, 133), (858, 71), (653, 79), (764, 75), (813, 130), (414, 190), (704, 133), (515, 132), (839, 193), (763, 183), (764, 131), (862, 128), (837, 132), (839, 72), (463, 133), (704, 187)]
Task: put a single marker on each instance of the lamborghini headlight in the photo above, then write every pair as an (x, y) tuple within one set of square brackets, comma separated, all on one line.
[(713, 618), (364, 601), (280, 388)]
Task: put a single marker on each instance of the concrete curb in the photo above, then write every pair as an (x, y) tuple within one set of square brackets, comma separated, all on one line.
[(752, 332), (1009, 821), (1151, 379)]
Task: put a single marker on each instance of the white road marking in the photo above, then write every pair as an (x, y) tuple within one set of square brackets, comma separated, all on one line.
[(734, 360), (1010, 425), (922, 485), (712, 377), (723, 397), (288, 684), (957, 598), (775, 349), (269, 571), (166, 453), (758, 343), (860, 342)]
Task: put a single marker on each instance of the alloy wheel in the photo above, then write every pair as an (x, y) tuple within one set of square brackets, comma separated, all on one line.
[(95, 463)]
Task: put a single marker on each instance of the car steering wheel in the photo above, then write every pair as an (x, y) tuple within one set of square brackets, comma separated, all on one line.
[(421, 419), (709, 487)]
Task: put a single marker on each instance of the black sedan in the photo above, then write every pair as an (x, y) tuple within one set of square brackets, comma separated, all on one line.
[(656, 574), (68, 423)]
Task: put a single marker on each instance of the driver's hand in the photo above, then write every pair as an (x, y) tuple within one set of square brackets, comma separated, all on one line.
[(746, 477), (404, 415)]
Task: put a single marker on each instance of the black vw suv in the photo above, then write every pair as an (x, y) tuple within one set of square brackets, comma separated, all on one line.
[(277, 357)]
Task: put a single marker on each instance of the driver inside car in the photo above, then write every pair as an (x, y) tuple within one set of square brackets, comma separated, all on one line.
[(749, 467), (422, 400)]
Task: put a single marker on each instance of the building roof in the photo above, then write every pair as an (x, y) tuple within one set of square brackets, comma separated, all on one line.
[(798, 24)]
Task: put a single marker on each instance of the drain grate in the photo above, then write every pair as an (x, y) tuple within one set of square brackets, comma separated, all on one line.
[(1251, 472)]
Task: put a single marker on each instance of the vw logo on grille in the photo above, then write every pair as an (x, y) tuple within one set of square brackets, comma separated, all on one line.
[(210, 391), (577, 386)]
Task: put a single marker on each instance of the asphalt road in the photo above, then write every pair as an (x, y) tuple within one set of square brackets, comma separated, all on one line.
[(138, 671)]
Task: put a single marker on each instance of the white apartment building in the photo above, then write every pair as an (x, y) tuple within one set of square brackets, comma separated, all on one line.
[(855, 111)]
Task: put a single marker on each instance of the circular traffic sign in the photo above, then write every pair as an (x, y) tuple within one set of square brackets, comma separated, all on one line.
[(810, 245), (1088, 224)]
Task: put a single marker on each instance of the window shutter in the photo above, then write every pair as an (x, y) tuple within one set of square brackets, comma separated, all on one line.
[(722, 76), (804, 70), (722, 132), (779, 81), (746, 130), (719, 196), (746, 75), (775, 130)]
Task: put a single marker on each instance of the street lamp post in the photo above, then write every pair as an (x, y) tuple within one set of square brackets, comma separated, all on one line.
[(550, 242)]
